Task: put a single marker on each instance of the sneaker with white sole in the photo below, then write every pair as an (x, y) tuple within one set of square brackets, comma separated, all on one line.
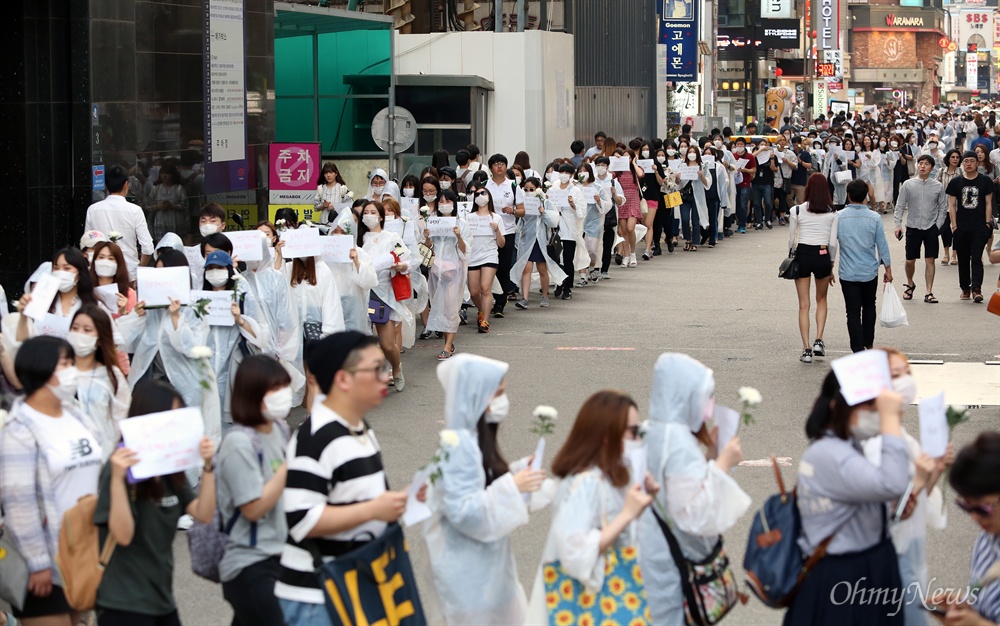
[(399, 382), (185, 522), (582, 282), (545, 302), (605, 276), (807, 356), (819, 348), (521, 304)]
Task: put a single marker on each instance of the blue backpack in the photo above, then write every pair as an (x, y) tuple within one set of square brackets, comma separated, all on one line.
[(774, 563)]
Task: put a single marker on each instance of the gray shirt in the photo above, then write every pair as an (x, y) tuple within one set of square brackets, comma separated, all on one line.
[(840, 491), (241, 479), (926, 201)]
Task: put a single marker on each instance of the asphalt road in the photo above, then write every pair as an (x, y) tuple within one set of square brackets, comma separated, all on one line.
[(723, 306)]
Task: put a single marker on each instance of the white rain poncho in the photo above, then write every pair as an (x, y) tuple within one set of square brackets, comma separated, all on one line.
[(533, 229), (105, 406), (319, 303), (468, 537), (379, 247), (833, 165), (446, 280), (152, 335), (277, 310), (701, 500), (593, 221), (418, 303), (354, 283), (391, 188)]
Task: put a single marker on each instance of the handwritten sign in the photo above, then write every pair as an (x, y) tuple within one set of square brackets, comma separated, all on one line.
[(108, 296), (337, 248), (559, 197), (53, 326), (728, 422), (618, 164), (390, 226), (301, 243), (848, 154), (646, 165), (532, 204), (157, 285), (417, 511), (689, 172), (637, 462), (480, 225), (708, 159), (42, 296), (763, 157), (441, 226), (674, 164), (410, 207), (220, 307), (246, 244), (742, 163), (862, 375), (933, 425), (165, 442), (194, 259)]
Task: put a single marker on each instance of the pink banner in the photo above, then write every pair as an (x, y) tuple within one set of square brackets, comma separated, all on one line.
[(293, 166)]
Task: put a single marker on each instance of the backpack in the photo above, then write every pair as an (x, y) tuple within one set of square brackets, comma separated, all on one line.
[(80, 566), (775, 565)]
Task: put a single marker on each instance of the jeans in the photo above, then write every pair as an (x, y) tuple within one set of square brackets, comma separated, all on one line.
[(969, 244), (689, 223), (742, 204), (762, 195), (859, 300), (568, 254), (713, 221), (304, 614), (609, 242), (505, 261), (251, 594)]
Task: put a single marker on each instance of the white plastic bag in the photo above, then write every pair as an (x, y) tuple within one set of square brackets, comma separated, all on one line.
[(892, 314)]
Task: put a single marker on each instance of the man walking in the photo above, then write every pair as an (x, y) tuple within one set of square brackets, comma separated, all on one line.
[(863, 247), (508, 199), (970, 206), (926, 201), (116, 214)]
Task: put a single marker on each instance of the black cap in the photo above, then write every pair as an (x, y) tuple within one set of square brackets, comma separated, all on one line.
[(970, 154), (326, 357)]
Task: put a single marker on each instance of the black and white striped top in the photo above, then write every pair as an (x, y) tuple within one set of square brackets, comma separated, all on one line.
[(329, 463)]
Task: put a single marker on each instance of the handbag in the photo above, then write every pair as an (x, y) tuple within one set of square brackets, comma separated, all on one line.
[(687, 194), (402, 289), (555, 243), (426, 255), (789, 268), (643, 207), (13, 571), (312, 331), (709, 585), (378, 311), (673, 199), (621, 599), (372, 584), (994, 304)]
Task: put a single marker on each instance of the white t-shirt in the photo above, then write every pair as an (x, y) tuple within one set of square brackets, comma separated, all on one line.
[(504, 195), (484, 247), (72, 453)]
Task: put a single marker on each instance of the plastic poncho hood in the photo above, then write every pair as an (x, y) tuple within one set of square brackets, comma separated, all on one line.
[(469, 382), (170, 240), (391, 188), (681, 388)]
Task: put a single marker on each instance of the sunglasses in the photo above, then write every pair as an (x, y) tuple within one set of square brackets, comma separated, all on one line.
[(634, 430), (983, 510)]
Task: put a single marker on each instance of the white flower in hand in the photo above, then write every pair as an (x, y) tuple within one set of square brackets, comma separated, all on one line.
[(750, 396), (114, 236), (546, 412), (449, 439), (201, 352)]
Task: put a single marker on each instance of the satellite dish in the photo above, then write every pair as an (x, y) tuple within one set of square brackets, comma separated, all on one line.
[(404, 126)]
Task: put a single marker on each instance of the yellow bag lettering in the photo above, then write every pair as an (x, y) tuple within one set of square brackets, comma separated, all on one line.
[(338, 603), (387, 590)]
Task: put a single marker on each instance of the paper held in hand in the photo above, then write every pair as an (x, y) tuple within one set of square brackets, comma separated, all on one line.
[(728, 422), (708, 159), (559, 198), (42, 295), (411, 207), (157, 285), (646, 165), (933, 425), (531, 204), (441, 226), (220, 306), (165, 443), (108, 296), (862, 375), (480, 225), (301, 243), (689, 172), (674, 164), (53, 326), (763, 157), (246, 244), (417, 511), (337, 248), (618, 164), (742, 163), (637, 462), (391, 226)]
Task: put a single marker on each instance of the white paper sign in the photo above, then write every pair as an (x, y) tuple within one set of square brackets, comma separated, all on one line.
[(763, 157), (618, 164), (862, 375), (157, 285), (848, 154), (220, 307), (637, 464), (531, 204), (480, 225), (728, 422), (559, 197), (246, 244), (194, 258), (646, 165), (742, 163), (53, 326), (441, 226), (390, 226), (42, 296), (108, 296), (417, 511), (166, 442), (301, 243), (689, 172), (674, 164), (410, 207), (539, 457), (708, 159), (337, 248), (933, 425)]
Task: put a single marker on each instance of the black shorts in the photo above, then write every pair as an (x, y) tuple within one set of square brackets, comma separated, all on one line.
[(53, 604), (915, 238), (482, 265), (813, 261)]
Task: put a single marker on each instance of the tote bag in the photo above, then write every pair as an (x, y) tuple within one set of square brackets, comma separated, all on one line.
[(620, 600), (13, 571)]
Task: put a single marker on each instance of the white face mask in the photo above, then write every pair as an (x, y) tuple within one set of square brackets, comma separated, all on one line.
[(408, 192), (105, 268), (499, 409), (90, 256), (377, 191), (83, 345), (739, 149), (692, 156), (905, 386), (881, 144), (869, 424), (389, 217), (208, 229), (277, 404), (446, 209), (430, 198), (932, 146), (370, 220), (632, 445), (217, 278), (67, 280), (564, 178), (894, 144), (645, 154), (482, 199), (671, 151), (661, 159), (68, 381), (445, 184), (601, 170), (517, 179), (717, 144)]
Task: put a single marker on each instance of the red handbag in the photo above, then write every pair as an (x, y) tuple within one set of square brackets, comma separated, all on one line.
[(401, 287)]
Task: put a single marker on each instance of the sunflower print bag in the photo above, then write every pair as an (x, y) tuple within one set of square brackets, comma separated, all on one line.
[(621, 601)]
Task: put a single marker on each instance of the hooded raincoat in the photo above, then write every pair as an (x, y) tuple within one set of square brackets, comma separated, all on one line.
[(391, 188), (701, 500), (533, 229), (468, 537), (446, 279), (354, 282), (379, 247), (836, 163)]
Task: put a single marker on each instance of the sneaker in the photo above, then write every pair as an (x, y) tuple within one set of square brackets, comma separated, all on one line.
[(758, 227), (819, 348), (545, 302), (558, 291), (977, 295), (512, 297), (185, 522), (965, 295), (425, 335), (807, 356), (595, 275), (605, 276), (657, 251), (464, 317), (399, 383), (781, 221), (769, 226), (742, 230), (582, 282), (646, 256), (522, 303), (567, 295), (618, 259), (498, 314)]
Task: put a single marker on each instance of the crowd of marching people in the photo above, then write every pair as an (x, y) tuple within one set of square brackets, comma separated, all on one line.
[(636, 506)]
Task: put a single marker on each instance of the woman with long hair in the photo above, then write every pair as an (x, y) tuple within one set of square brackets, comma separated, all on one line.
[(629, 214), (485, 257), (694, 210), (168, 203), (332, 194), (950, 169), (812, 234), (532, 244), (447, 276), (598, 204), (651, 182), (109, 268)]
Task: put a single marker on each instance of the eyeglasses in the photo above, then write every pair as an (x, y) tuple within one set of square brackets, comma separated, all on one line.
[(382, 371), (634, 429), (983, 510)]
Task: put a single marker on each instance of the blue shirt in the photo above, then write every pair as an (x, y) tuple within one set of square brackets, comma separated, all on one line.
[(862, 243), (985, 142)]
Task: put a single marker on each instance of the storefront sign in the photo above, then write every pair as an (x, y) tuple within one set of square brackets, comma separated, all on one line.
[(225, 93), (900, 21), (972, 75), (679, 33), (293, 172), (780, 34), (770, 9), (829, 25), (978, 23)]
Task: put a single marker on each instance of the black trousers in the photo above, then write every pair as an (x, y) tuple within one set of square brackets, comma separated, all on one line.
[(506, 254), (969, 244), (609, 240), (251, 594), (568, 253), (859, 300), (660, 223), (113, 617)]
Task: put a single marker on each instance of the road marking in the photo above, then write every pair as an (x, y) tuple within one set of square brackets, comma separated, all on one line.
[(596, 349), (783, 461)]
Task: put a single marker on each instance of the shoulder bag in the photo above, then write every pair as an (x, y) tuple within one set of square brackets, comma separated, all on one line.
[(13, 570), (378, 311), (789, 268), (81, 559)]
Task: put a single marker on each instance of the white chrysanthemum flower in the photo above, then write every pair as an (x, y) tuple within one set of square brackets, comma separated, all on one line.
[(201, 352), (750, 396), (449, 439)]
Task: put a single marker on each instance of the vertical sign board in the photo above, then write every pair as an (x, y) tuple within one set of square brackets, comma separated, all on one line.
[(225, 82), (679, 33), (770, 9), (293, 172), (972, 72), (827, 27)]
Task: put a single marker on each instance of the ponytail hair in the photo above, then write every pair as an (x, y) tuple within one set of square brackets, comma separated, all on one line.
[(830, 412)]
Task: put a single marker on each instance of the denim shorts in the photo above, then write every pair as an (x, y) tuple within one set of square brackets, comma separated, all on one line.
[(304, 614)]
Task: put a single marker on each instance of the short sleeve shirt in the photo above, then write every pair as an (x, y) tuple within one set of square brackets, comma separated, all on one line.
[(970, 196), (506, 194)]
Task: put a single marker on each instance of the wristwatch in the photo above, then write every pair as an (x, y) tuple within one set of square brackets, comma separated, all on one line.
[(208, 468)]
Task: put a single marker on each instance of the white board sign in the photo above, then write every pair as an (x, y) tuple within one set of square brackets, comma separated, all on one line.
[(646, 165), (559, 197), (246, 244), (862, 375), (480, 225), (220, 307), (53, 326), (410, 207), (337, 248), (933, 425), (441, 226), (157, 285), (301, 243), (531, 204), (618, 164), (165, 442), (689, 172), (728, 422), (41, 297)]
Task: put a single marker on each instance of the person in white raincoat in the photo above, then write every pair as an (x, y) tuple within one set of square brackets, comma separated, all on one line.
[(446, 278), (11, 320), (477, 501), (699, 497), (354, 279), (836, 162), (532, 246), (409, 229), (379, 186), (172, 344), (694, 218)]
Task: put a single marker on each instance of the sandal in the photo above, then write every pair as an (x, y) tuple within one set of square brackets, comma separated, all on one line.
[(444, 355), (908, 291), (930, 299), (944, 261), (694, 248), (687, 246)]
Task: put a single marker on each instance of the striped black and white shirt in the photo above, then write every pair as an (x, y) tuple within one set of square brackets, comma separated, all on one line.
[(329, 463)]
